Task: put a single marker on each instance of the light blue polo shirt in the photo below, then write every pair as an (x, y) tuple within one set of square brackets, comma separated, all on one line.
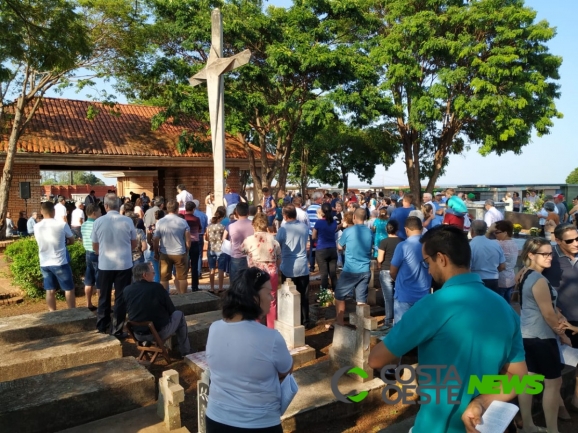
[(293, 238), (462, 325), (357, 241), (413, 281), (487, 255)]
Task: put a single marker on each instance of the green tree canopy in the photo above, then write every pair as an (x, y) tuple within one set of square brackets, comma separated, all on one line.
[(340, 150), (43, 45), (456, 74), (573, 177), (298, 55)]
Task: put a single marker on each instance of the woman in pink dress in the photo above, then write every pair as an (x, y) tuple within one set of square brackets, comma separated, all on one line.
[(264, 252)]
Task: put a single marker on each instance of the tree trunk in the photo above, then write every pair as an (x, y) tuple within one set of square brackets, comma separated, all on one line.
[(411, 152), (304, 165), (8, 164)]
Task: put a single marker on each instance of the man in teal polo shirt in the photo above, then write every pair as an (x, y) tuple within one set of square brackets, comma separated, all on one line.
[(463, 326)]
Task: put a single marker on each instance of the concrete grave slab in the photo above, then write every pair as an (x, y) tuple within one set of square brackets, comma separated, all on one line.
[(198, 328), (37, 326), (315, 401), (196, 302), (54, 401), (142, 420), (57, 353)]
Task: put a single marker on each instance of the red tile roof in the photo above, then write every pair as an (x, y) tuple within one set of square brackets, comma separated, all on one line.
[(61, 126)]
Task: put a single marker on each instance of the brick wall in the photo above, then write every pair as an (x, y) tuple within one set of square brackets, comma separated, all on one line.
[(68, 190), (24, 173), (136, 184), (199, 181)]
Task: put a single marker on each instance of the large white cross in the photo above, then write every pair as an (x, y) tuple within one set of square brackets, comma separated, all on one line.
[(212, 73)]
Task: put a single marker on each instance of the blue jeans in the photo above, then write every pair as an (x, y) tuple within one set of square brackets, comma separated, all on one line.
[(387, 289), (349, 283), (311, 254), (507, 293), (55, 276), (236, 266), (91, 272), (400, 308), (150, 257)]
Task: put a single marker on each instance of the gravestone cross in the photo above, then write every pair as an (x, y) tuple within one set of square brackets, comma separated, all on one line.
[(351, 343), (171, 395), (213, 72)]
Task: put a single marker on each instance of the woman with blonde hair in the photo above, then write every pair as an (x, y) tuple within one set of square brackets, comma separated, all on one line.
[(539, 320), (264, 252)]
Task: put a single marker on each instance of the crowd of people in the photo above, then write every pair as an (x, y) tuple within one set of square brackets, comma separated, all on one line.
[(451, 276)]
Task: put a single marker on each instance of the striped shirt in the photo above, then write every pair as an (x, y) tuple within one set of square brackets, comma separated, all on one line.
[(86, 230), (312, 215)]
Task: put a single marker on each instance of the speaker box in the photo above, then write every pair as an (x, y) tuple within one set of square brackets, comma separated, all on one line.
[(25, 190)]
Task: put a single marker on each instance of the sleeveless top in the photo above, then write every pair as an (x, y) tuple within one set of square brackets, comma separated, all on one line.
[(532, 322)]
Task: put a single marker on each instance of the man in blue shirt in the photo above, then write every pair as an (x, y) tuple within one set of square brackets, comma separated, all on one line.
[(357, 242), (400, 214), (487, 256), (442, 326), (412, 281), (292, 237)]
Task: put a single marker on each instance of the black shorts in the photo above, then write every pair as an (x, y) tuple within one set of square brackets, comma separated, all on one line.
[(573, 338), (543, 357), (217, 427)]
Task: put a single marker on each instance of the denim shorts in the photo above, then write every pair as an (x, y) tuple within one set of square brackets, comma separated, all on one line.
[(217, 261), (350, 283), (55, 276), (91, 273)]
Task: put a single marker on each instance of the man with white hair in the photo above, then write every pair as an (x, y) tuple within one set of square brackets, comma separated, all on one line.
[(113, 239), (31, 223), (76, 219), (317, 201), (492, 215), (427, 199)]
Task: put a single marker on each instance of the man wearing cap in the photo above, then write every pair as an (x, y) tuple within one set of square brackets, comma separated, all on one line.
[(562, 210), (543, 213), (492, 215)]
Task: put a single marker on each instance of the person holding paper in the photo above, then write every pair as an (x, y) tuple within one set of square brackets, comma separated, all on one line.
[(451, 328), (247, 360)]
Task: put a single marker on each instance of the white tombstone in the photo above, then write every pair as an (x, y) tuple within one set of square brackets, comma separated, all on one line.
[(203, 400), (288, 321), (351, 343), (171, 395)]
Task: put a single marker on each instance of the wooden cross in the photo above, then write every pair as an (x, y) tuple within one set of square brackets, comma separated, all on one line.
[(212, 73)]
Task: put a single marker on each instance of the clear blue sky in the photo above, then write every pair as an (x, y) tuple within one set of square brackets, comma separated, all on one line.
[(548, 159)]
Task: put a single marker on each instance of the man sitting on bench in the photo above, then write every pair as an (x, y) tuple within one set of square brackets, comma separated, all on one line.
[(149, 301)]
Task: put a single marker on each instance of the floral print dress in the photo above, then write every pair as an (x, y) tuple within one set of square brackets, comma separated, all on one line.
[(262, 252)]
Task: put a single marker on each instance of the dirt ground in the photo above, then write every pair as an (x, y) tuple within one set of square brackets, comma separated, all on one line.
[(319, 338)]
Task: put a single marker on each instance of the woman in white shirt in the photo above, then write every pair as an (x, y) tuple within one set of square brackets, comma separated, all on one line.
[(247, 361)]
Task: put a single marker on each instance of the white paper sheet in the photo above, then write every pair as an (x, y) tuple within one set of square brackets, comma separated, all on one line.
[(568, 355), (497, 417)]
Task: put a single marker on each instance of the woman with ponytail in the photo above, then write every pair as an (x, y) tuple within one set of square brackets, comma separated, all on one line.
[(326, 252)]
